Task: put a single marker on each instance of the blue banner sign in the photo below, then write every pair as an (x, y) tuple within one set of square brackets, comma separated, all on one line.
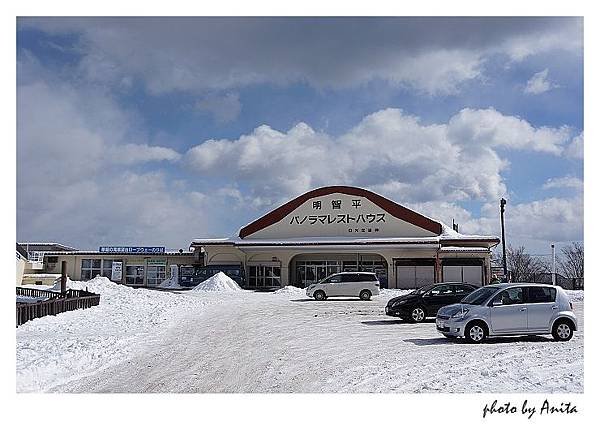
[(132, 250)]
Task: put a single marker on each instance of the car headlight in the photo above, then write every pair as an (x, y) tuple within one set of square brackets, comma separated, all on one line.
[(398, 303), (460, 314)]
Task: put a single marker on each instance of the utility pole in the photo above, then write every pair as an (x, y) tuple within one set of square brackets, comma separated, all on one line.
[(553, 265), (502, 204)]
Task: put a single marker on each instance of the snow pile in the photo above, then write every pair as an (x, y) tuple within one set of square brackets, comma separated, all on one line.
[(170, 283), (56, 286), (218, 282), (575, 295), (55, 350), (291, 290)]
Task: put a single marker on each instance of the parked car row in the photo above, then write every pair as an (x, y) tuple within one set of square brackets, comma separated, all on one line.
[(465, 310)]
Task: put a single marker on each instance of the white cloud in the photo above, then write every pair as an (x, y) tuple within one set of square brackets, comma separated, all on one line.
[(76, 177), (532, 224), (490, 128), (77, 180), (224, 109), (433, 56), (129, 154), (575, 148), (539, 83), (564, 182), (388, 151)]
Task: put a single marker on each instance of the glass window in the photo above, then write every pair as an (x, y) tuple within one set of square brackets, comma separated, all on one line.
[(441, 290), (512, 296), (349, 278), (264, 276), (156, 274), (462, 289), (107, 268), (541, 294), (479, 296), (134, 274), (90, 268)]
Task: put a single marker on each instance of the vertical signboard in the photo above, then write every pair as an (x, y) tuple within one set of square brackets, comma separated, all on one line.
[(117, 271)]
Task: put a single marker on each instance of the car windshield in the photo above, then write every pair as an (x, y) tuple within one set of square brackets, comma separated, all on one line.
[(479, 296)]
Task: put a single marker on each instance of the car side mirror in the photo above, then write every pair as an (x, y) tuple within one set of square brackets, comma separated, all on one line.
[(496, 303)]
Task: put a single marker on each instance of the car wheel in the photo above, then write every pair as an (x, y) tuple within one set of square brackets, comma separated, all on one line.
[(562, 331), (319, 295), (417, 314), (365, 295), (475, 333)]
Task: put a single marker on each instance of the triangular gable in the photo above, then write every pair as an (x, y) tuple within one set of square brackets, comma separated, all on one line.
[(341, 211)]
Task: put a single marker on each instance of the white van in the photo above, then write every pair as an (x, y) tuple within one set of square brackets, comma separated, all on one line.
[(349, 284)]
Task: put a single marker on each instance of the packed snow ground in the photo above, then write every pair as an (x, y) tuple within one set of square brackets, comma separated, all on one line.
[(56, 350), (241, 341)]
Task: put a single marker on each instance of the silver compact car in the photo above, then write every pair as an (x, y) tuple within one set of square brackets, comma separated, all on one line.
[(357, 284), (509, 309)]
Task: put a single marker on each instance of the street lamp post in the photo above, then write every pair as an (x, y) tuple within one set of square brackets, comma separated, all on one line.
[(502, 204), (553, 265)]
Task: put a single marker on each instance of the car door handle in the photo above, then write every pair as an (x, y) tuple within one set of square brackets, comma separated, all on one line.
[(555, 307), (523, 309)]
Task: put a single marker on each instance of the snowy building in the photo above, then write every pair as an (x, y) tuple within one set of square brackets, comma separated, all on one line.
[(341, 228), (132, 265)]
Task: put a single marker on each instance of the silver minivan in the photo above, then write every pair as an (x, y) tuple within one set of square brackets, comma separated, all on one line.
[(357, 284), (509, 309)]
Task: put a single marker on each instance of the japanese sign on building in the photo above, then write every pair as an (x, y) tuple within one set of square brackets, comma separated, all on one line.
[(358, 221), (340, 215), (131, 250)]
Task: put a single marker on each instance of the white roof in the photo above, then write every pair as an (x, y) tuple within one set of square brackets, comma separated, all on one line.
[(463, 249)]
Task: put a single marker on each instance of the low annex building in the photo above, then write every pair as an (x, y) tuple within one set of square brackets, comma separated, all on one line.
[(137, 266), (341, 228)]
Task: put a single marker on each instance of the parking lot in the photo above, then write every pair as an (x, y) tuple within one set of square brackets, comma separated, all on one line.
[(265, 342)]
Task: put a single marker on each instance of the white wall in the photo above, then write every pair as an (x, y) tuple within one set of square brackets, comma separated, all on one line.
[(371, 221)]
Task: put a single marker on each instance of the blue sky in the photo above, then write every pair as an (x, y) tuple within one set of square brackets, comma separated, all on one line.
[(157, 131)]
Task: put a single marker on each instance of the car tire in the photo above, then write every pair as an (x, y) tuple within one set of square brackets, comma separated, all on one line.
[(476, 332), (319, 295), (417, 314), (562, 330), (365, 295)]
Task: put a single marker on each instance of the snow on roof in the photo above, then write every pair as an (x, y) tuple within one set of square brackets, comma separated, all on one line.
[(96, 252), (313, 241), (451, 235), (463, 249), (49, 244)]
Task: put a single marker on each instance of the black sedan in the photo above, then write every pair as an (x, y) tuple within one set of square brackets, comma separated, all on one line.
[(425, 301)]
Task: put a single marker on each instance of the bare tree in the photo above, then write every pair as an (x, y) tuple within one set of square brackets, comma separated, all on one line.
[(522, 265), (570, 263)]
